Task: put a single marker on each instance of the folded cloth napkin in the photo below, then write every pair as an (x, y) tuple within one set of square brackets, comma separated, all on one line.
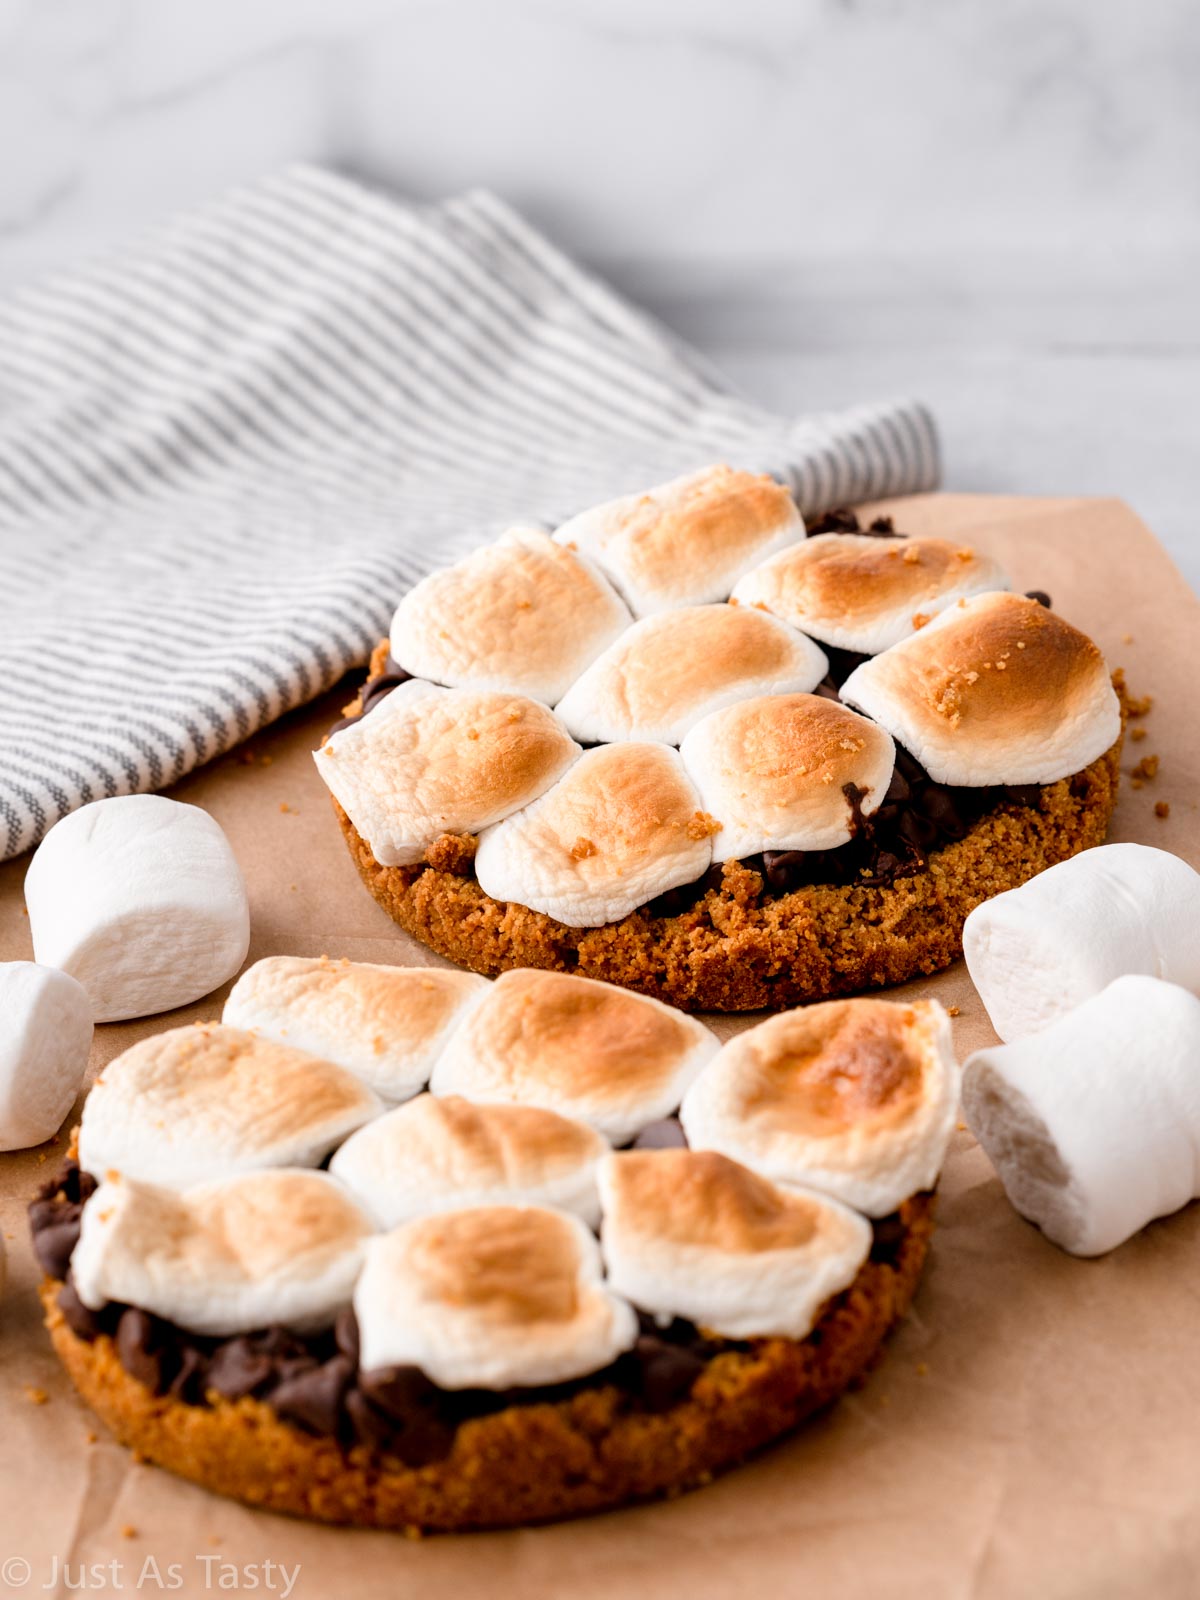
[(225, 454)]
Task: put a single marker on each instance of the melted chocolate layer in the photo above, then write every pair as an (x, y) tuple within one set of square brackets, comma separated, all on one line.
[(315, 1380)]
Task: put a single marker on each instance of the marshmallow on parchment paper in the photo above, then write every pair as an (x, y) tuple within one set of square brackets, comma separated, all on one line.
[(45, 1037), (141, 899), (1036, 952), (1093, 1124)]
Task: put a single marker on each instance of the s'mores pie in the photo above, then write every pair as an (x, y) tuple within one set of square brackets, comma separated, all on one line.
[(787, 772), (859, 592), (689, 1233), (856, 1098), (687, 542), (210, 1101), (646, 686), (226, 1257), (615, 1060), (623, 825), (812, 835), (524, 615), (441, 1152), (386, 1025), (432, 761), (997, 689), (490, 1298), (255, 1333)]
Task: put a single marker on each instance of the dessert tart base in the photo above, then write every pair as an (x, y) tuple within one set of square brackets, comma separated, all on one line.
[(738, 949), (527, 1463)]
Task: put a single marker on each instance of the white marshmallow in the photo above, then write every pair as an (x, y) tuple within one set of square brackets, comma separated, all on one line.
[(686, 542), (227, 1257), (669, 670), (1093, 1124), (492, 1297), (387, 1025), (140, 899), (689, 1233), (613, 1059), (522, 614), (622, 826), (429, 761), (1036, 952), (854, 1098), (205, 1102), (440, 1153), (45, 1037)]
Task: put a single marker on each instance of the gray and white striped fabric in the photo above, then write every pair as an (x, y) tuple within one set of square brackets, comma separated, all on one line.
[(225, 454)]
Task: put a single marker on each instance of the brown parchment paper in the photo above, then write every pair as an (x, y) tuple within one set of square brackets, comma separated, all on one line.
[(1033, 1429)]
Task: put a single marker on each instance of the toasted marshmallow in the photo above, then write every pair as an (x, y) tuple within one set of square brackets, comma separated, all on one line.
[(1093, 1124), (855, 1098), (622, 826), (689, 1233), (491, 1297), (440, 1153), (386, 1025), (208, 1101), (671, 669), (773, 773), (225, 1257), (429, 761), (615, 1060), (140, 899), (994, 690), (1036, 952), (45, 1037), (524, 615), (857, 592), (686, 542)]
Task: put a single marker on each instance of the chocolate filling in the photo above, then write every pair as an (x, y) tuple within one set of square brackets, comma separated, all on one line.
[(315, 1380), (917, 815)]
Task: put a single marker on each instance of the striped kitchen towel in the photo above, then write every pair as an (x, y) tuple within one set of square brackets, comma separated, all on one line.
[(226, 453)]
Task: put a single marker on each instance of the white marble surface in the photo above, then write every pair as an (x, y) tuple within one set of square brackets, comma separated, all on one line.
[(992, 204)]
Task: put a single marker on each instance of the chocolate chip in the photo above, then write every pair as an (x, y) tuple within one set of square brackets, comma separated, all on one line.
[(1040, 595), (313, 1398), (191, 1376), (368, 1426), (399, 1391), (345, 1333), (139, 1348), (54, 1245), (887, 1235), (665, 1134), (667, 1372), (83, 1322), (1023, 794), (782, 868), (239, 1367), (840, 520)]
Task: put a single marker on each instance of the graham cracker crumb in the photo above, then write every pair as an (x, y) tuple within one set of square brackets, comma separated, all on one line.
[(703, 826), (1137, 734), (1140, 707), (1162, 808), (128, 1531), (36, 1396), (1146, 768), (582, 849), (919, 619), (953, 1011)]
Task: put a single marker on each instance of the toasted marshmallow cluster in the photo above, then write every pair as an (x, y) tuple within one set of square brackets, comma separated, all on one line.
[(490, 1298), (773, 773), (856, 1098), (1093, 1124), (1036, 952), (996, 689), (441, 1152), (210, 1101), (613, 1059), (225, 1257), (686, 542), (386, 1025), (671, 669), (690, 1233), (141, 900), (623, 825), (45, 1037), (865, 594), (429, 761), (524, 615)]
